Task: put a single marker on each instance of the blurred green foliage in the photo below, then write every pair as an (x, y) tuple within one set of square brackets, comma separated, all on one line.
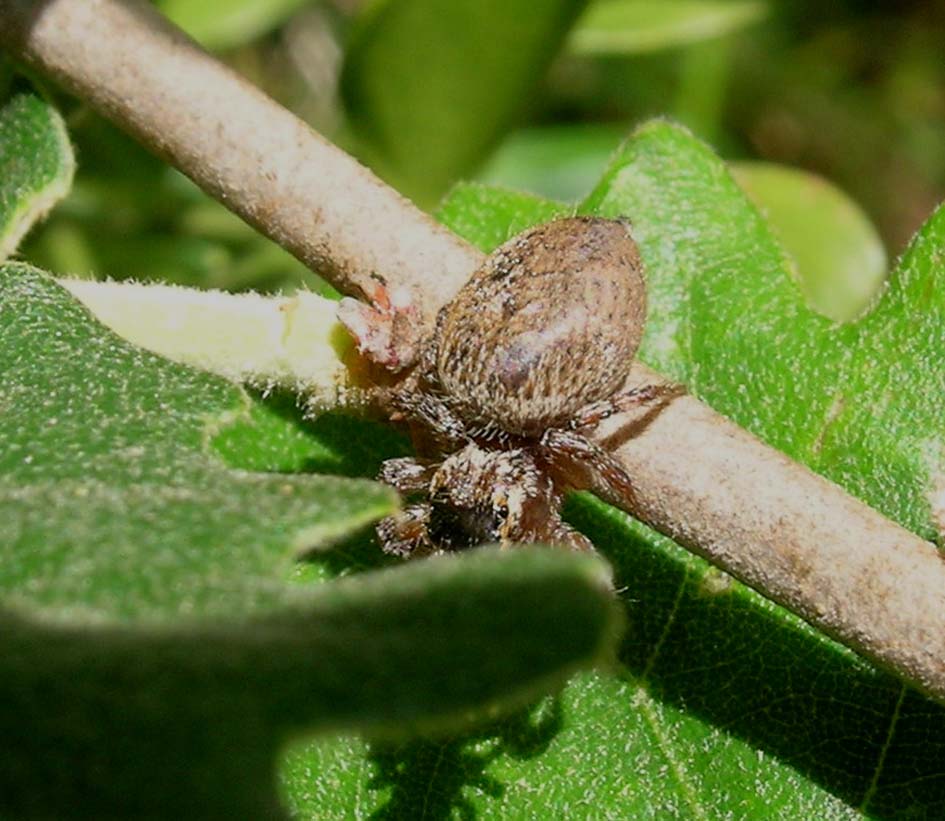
[(803, 84), (430, 88)]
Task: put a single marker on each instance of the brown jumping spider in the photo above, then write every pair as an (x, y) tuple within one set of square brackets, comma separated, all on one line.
[(525, 361)]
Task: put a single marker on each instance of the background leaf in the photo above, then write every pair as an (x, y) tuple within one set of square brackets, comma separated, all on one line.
[(222, 24), (36, 162), (838, 256), (429, 88), (728, 706), (639, 26), (159, 639), (561, 162)]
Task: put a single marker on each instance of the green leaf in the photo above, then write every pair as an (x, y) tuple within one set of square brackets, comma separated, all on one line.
[(154, 722), (104, 460), (159, 638), (719, 288), (489, 216), (36, 163), (429, 87), (223, 24), (883, 437), (562, 162), (839, 256), (278, 437), (727, 706), (739, 332), (856, 401), (641, 26)]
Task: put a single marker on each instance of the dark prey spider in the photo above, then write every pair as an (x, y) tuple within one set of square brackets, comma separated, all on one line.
[(524, 362)]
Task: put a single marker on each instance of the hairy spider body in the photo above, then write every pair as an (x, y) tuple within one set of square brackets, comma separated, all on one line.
[(529, 356), (549, 324)]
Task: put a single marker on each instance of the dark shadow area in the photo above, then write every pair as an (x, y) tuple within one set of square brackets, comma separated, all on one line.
[(745, 669), (359, 445), (355, 554), (115, 723), (428, 778), (640, 421), (280, 437)]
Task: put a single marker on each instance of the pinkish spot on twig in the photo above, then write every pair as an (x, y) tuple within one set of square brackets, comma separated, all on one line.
[(384, 330)]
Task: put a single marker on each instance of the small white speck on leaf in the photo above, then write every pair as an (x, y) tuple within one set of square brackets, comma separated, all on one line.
[(937, 503), (715, 583)]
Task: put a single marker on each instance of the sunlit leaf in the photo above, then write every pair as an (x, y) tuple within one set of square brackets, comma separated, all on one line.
[(36, 162)]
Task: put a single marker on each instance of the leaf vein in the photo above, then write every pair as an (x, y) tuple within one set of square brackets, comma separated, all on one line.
[(881, 760)]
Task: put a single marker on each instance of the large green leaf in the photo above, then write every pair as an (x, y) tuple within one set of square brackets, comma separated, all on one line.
[(36, 162), (429, 87), (728, 706), (159, 638), (858, 401), (104, 461)]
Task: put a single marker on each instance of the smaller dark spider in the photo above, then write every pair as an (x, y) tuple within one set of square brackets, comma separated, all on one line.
[(527, 359)]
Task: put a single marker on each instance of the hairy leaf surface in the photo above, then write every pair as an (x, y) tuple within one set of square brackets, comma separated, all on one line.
[(159, 637)]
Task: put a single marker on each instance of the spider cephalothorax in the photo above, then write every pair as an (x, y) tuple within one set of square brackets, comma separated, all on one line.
[(530, 356)]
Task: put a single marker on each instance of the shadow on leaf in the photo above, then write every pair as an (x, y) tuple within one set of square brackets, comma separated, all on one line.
[(709, 646), (428, 778), (278, 437)]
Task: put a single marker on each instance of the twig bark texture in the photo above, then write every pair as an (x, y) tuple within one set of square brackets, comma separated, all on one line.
[(799, 539), (252, 155)]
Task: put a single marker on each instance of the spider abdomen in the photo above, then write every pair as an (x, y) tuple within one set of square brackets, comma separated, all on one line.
[(549, 323)]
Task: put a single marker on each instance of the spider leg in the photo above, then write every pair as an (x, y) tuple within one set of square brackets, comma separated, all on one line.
[(593, 414), (407, 474), (535, 517), (592, 461), (405, 534), (433, 415), (527, 505), (567, 536)]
